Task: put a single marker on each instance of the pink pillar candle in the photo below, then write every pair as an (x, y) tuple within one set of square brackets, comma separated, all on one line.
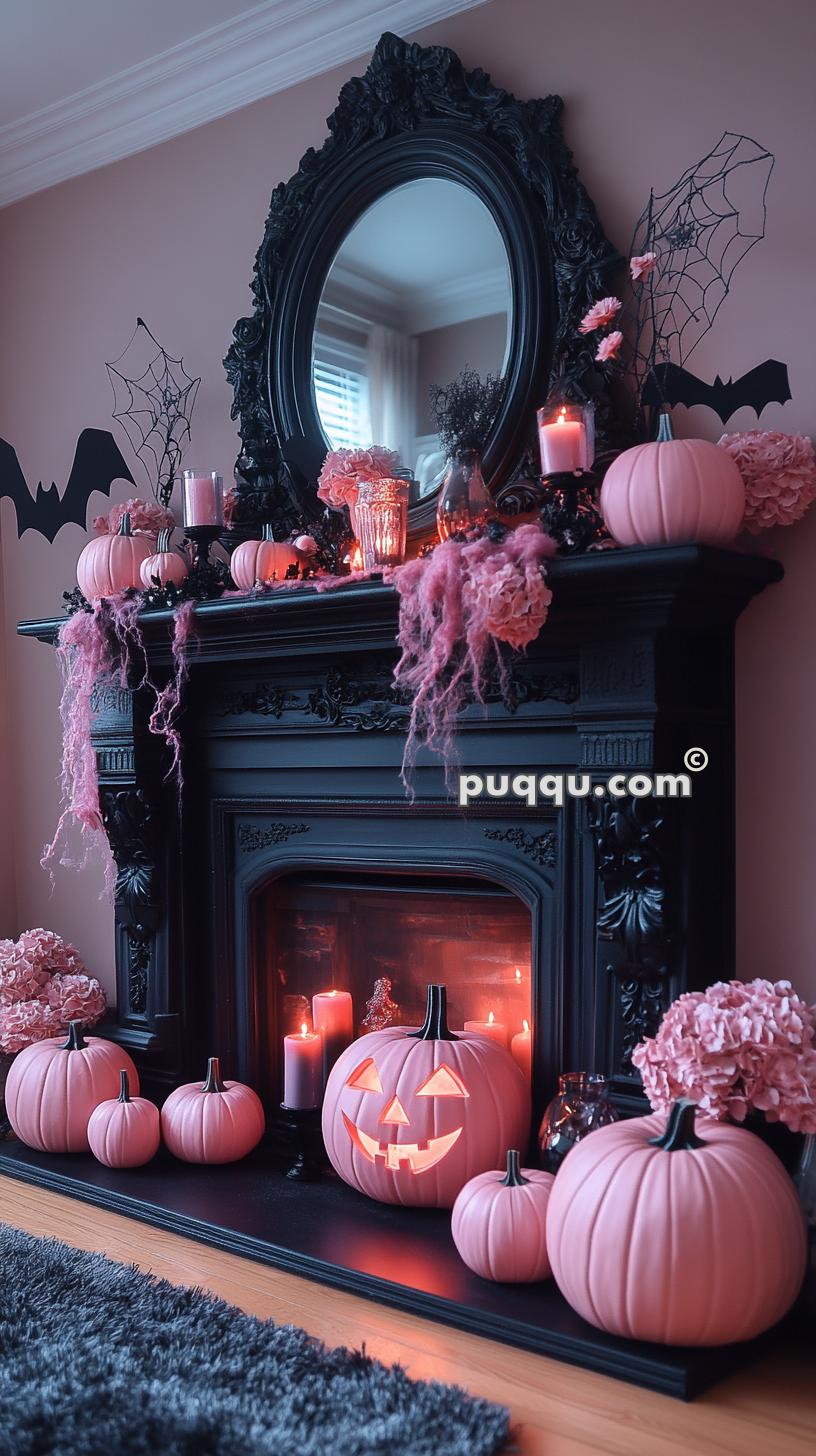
[(302, 1069), (496, 1030), (333, 1018), (203, 499), (563, 440), (521, 1049)]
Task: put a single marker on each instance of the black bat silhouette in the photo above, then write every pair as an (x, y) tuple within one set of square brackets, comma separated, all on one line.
[(97, 464), (669, 384)]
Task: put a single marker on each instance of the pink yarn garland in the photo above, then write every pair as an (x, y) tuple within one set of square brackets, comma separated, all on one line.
[(456, 607), (107, 645)]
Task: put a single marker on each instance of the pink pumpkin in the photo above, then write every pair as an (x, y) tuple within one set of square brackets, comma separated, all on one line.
[(55, 1085), (410, 1115), (656, 1233), (213, 1121), (672, 491), (166, 566), (125, 1132), (499, 1224), (263, 561), (112, 563)]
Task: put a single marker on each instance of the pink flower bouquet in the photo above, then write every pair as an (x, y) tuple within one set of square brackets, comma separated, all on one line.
[(43, 986), (733, 1049), (779, 473), (146, 518), (344, 469)]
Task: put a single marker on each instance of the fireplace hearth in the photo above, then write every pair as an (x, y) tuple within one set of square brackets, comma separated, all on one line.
[(299, 865)]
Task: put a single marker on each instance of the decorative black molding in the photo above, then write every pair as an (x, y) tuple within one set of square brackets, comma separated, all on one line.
[(115, 758), (138, 969), (633, 868), (129, 821), (616, 750), (252, 838), (111, 700), (342, 701), (416, 113), (541, 848), (266, 700)]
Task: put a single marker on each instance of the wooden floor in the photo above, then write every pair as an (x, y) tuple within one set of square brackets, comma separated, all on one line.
[(768, 1410)]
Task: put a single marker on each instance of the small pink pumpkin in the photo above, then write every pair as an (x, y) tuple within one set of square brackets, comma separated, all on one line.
[(165, 566), (411, 1114), (656, 1233), (124, 1132), (214, 1121), (55, 1085), (264, 561), (672, 491), (112, 563), (499, 1224)]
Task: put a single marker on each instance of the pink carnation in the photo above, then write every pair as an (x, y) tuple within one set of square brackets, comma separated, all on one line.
[(76, 998), (600, 315), (230, 505), (24, 1022), (779, 474), (512, 602), (609, 347), (733, 1049), (146, 518), (343, 469), (642, 265)]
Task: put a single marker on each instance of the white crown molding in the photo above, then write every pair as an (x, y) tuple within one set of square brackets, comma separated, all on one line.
[(264, 50), (453, 301)]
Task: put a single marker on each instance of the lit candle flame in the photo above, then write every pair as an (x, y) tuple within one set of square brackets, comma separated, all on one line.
[(490, 1019), (356, 558), (525, 1025), (563, 416), (304, 1029), (518, 974)]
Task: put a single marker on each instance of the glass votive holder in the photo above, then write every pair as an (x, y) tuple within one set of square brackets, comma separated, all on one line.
[(382, 521), (203, 495), (566, 436)]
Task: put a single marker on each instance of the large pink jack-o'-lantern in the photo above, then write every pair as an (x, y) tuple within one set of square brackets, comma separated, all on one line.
[(658, 1234), (410, 1115)]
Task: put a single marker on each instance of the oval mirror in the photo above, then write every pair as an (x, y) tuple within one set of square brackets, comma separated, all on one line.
[(419, 289)]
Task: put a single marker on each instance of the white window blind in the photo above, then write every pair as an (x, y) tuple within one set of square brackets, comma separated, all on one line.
[(341, 394)]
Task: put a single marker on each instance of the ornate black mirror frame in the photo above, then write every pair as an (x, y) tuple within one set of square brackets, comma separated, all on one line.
[(417, 113)]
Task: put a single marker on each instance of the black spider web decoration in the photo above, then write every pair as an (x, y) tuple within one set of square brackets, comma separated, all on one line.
[(155, 406), (701, 229)]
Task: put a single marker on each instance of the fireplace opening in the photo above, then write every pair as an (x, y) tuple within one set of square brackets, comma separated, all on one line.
[(321, 932)]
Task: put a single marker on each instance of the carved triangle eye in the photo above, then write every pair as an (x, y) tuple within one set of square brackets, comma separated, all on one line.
[(365, 1077), (444, 1082)]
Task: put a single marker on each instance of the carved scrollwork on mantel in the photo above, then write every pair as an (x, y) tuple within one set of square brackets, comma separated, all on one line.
[(130, 823), (541, 848), (252, 837), (633, 868)]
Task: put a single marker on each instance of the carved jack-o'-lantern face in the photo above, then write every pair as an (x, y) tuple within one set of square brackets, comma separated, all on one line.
[(409, 1116)]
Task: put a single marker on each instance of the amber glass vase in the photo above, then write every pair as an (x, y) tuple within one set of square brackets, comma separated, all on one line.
[(580, 1107)]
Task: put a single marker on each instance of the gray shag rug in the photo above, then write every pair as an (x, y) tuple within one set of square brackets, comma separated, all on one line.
[(97, 1359)]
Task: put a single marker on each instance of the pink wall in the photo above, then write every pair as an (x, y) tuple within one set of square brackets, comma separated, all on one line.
[(477, 343), (171, 234)]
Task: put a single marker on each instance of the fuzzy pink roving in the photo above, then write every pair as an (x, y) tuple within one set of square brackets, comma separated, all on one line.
[(779, 473)]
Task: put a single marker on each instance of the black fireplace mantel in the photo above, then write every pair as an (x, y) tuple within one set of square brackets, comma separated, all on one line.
[(293, 742)]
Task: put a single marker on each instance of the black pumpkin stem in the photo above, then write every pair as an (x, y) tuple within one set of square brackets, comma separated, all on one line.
[(124, 1086), (664, 428), (125, 525), (514, 1176), (76, 1042), (679, 1134), (213, 1082), (435, 1026)]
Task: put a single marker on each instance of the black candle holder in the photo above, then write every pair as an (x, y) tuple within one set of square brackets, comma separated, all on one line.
[(303, 1124), (569, 511), (207, 579)]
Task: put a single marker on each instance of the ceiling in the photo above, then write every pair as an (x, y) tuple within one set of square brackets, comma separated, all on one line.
[(85, 82)]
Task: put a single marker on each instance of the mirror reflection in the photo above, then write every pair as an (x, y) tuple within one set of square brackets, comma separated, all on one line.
[(418, 291)]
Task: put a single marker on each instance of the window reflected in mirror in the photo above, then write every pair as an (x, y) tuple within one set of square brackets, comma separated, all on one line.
[(419, 290)]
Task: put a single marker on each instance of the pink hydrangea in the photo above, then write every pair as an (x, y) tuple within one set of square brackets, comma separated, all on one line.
[(609, 347), (733, 1049), (49, 953), (76, 998), (147, 518), (343, 469), (779, 473), (20, 979), (601, 315), (511, 600), (24, 1022)]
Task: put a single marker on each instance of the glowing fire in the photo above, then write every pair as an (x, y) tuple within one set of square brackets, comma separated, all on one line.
[(304, 1029), (490, 1019), (525, 1026)]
